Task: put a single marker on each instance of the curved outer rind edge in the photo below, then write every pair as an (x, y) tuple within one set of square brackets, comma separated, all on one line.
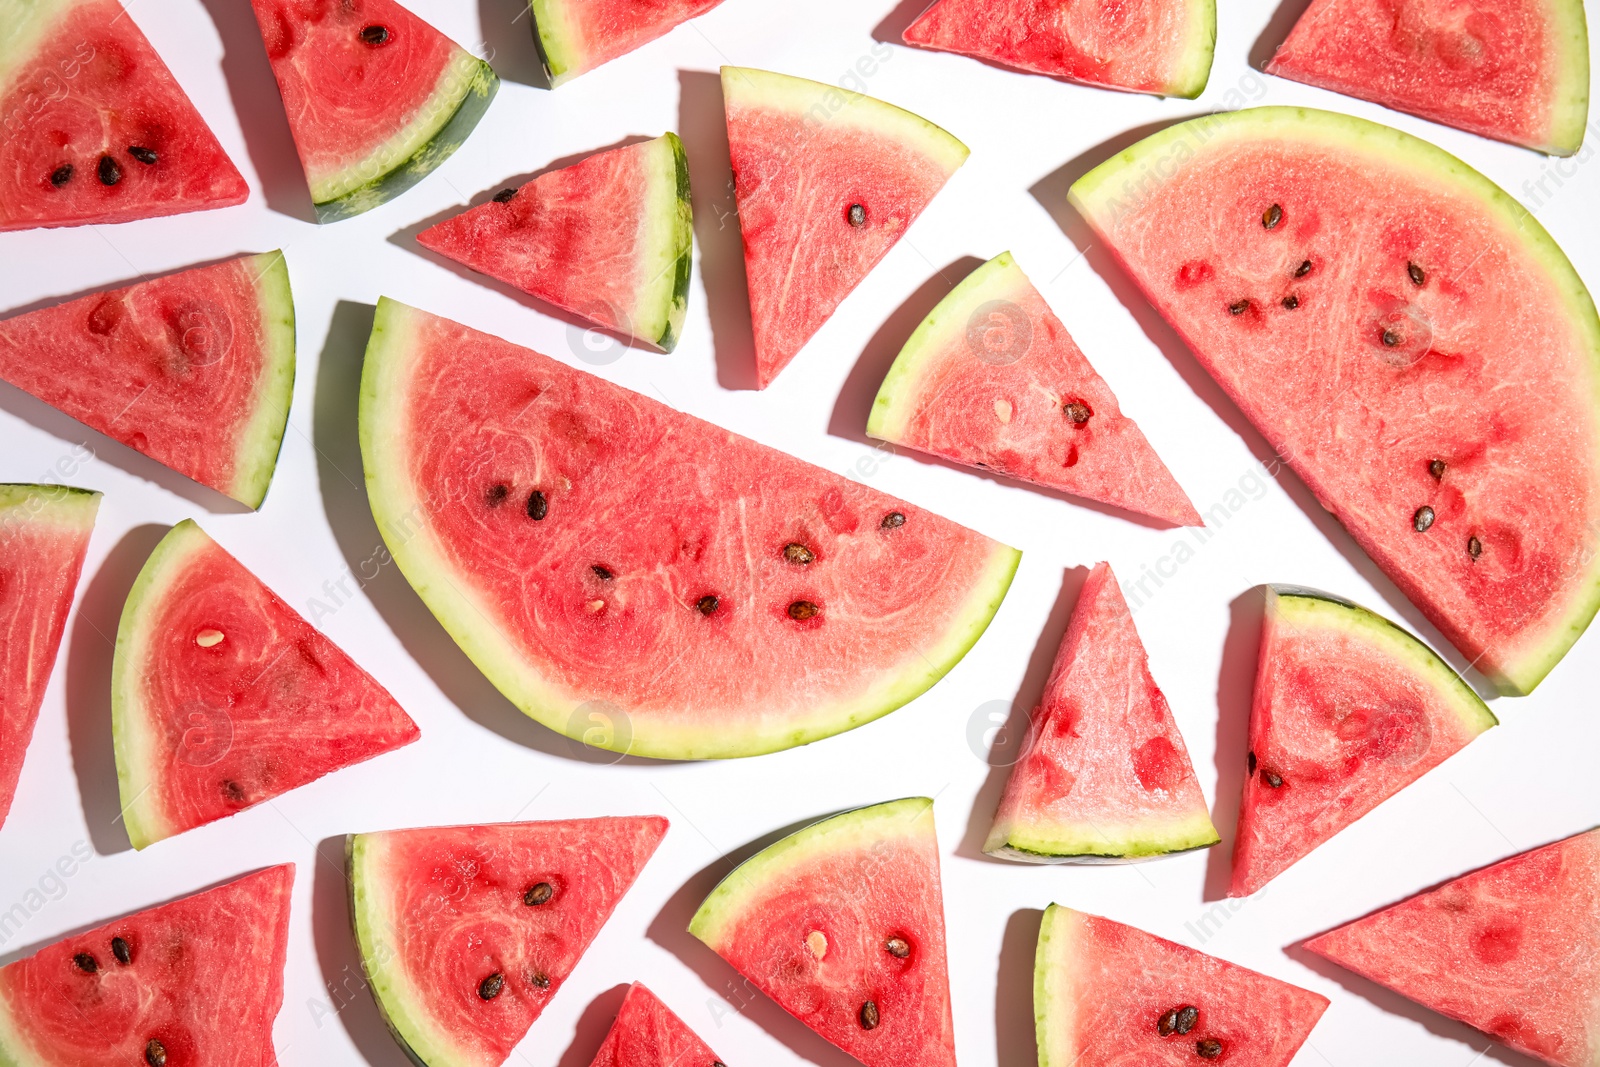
[(1569, 111), (671, 222), (1052, 1009), (1151, 840), (555, 35), (1198, 53), (262, 440)]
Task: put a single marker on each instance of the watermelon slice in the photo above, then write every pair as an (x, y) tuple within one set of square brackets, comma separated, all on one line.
[(648, 1034), (1105, 994), (93, 128), (826, 182), (1106, 775), (1512, 949), (1349, 709), (991, 379), (1154, 46), (842, 923), (608, 239), (603, 557), (467, 931), (1514, 70), (377, 98), (222, 697), (44, 535), (195, 981), (195, 369), (1406, 336), (575, 36)]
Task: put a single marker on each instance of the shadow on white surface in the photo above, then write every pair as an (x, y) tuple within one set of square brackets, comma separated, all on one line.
[(592, 1027), (894, 25), (508, 45), (1277, 31), (1236, 682), (1015, 1044)]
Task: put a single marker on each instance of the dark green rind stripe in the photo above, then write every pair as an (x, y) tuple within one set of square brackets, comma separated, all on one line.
[(684, 267), (1028, 855)]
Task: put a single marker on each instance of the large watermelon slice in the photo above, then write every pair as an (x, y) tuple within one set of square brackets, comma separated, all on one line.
[(1349, 709), (826, 182), (609, 239), (648, 1034), (603, 557), (1153, 46), (222, 697), (44, 535), (1514, 70), (377, 98), (195, 369), (93, 128), (1406, 336), (1107, 995), (1512, 949), (466, 932), (1106, 775), (992, 379), (195, 981), (842, 923), (578, 35)]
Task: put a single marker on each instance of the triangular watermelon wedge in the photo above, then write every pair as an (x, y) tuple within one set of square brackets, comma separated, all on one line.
[(1512, 949), (992, 379), (1162, 47), (826, 182), (1106, 994), (609, 239), (93, 127), (194, 981), (1105, 776), (1349, 709), (842, 923), (648, 1034), (44, 535), (575, 36), (222, 697), (466, 932)]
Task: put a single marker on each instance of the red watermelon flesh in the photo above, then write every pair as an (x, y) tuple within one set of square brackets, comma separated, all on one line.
[(195, 982), (93, 128), (44, 535), (1106, 774), (648, 1034), (468, 931), (222, 697), (1109, 995), (578, 35), (1512, 949)]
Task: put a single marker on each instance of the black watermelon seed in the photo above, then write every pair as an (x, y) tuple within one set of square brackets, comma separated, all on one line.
[(538, 894), (375, 35), (857, 215), (233, 791), (1167, 1025), (541, 980), (143, 155), (1078, 412), (1474, 547), (801, 610), (504, 196), (538, 506), (898, 947), (497, 495), (110, 172), (1291, 302), (869, 1015), (155, 1054), (718, 1063), (1208, 1048), (490, 987), (602, 573), (1422, 519), (707, 604), (1272, 779), (120, 949), (1436, 468), (1392, 337), (1303, 269), (1417, 277), (1272, 216), (1251, 759), (61, 175), (798, 554), (86, 963), (1238, 307), (1188, 1015), (893, 520)]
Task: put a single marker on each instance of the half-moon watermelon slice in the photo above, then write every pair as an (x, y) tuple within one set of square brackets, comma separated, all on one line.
[(1406, 336), (575, 36), (44, 535), (826, 182), (222, 697), (1512, 949), (1349, 709), (1106, 776), (377, 98), (842, 923), (195, 369), (609, 239), (648, 1034), (466, 932), (194, 981), (636, 578), (1514, 70), (1108, 995), (93, 127), (1162, 47), (992, 379)]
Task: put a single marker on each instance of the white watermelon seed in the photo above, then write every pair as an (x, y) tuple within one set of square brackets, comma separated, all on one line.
[(1002, 411), (817, 942), (208, 638)]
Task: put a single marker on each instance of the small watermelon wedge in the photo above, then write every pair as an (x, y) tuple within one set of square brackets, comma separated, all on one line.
[(1349, 709), (377, 98), (222, 697), (648, 1034), (826, 182), (93, 127), (466, 932), (44, 535), (194, 981), (991, 379), (1513, 70), (575, 36), (1106, 776), (194, 369), (610, 239), (1106, 994), (1162, 47), (842, 923)]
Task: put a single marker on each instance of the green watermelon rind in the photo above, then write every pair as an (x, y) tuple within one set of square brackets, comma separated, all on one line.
[(1569, 111), (1189, 81), (58, 505), (556, 38), (1052, 1009), (1101, 844), (664, 299), (256, 458)]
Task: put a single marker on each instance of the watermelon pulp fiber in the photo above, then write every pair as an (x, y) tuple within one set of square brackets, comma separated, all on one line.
[(194, 981), (648, 1034), (1381, 371), (575, 36), (93, 128)]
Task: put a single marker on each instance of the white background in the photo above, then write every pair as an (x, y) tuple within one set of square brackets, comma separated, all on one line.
[(1528, 782)]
